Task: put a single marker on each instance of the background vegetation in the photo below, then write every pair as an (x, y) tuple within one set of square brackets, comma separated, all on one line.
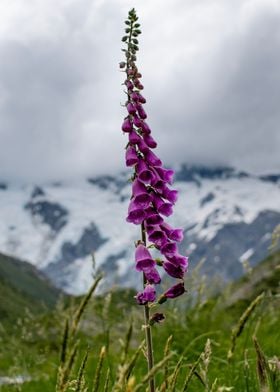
[(213, 339)]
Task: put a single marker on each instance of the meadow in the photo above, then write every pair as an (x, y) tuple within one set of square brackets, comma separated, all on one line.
[(213, 339)]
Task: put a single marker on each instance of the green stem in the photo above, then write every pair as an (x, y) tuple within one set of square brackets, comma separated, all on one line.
[(149, 341)]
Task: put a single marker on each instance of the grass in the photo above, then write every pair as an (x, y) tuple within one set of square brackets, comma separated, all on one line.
[(108, 333)]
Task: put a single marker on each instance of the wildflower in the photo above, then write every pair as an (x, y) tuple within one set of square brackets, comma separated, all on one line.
[(157, 236), (129, 84), (179, 260), (143, 172), (152, 217), (141, 112), (176, 271), (136, 214), (137, 121), (173, 234), (143, 259), (141, 98), (150, 141), (148, 295), (143, 147), (165, 174), (131, 108), (131, 157), (134, 138), (145, 128), (152, 276), (152, 159), (174, 292), (152, 198), (170, 194), (169, 249), (164, 208), (158, 184), (141, 196)]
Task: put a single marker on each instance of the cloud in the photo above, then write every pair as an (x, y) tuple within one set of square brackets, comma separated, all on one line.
[(210, 72)]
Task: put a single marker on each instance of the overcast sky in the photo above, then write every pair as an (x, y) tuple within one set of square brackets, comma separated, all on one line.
[(211, 71)]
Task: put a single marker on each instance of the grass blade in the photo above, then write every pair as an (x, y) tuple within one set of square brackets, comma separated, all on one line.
[(81, 373), (237, 330), (98, 371), (78, 314)]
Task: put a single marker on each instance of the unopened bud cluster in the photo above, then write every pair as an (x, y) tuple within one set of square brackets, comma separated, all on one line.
[(152, 198)]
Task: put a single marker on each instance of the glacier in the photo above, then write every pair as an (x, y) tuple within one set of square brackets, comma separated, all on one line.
[(227, 215)]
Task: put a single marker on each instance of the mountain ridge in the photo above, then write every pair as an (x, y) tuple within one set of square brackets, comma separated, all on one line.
[(226, 214)]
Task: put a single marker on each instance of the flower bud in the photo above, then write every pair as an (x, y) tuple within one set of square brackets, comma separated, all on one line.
[(127, 125), (131, 108), (141, 99), (137, 121), (141, 112), (148, 295), (129, 84), (175, 291), (134, 96), (133, 137), (150, 141), (145, 128)]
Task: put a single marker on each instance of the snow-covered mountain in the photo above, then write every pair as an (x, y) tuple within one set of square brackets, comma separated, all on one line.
[(228, 216)]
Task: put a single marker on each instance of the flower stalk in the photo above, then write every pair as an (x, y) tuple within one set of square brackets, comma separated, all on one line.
[(148, 330), (152, 199)]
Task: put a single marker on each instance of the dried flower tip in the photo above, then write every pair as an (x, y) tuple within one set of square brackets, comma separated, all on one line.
[(157, 318)]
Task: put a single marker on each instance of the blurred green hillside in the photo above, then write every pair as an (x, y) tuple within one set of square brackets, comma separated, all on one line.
[(22, 287)]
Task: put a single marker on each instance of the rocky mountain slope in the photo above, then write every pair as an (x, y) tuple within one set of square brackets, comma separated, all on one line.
[(228, 217)]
